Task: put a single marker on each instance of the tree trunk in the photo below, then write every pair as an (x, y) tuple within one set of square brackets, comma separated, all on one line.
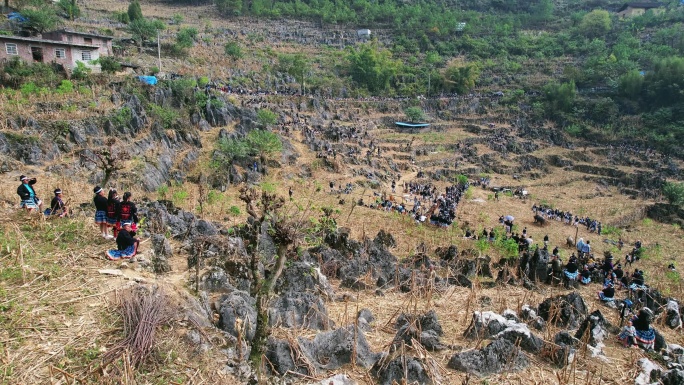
[(263, 329), (108, 174)]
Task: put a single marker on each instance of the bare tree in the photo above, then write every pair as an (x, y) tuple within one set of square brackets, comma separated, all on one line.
[(265, 208), (109, 158)]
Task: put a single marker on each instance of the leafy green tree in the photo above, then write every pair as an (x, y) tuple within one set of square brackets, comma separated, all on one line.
[(70, 8), (134, 11), (109, 64), (233, 50), (414, 114), (266, 117), (543, 11), (372, 67), (595, 23), (460, 78), (40, 19), (674, 193), (264, 143), (186, 37), (560, 97), (665, 84), (229, 7), (294, 64), (631, 85), (143, 30)]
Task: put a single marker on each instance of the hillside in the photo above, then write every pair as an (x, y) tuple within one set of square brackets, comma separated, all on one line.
[(366, 292)]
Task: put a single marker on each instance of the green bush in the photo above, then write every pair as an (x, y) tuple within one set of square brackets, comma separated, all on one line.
[(674, 193), (109, 64), (81, 71), (70, 8), (65, 87), (164, 116)]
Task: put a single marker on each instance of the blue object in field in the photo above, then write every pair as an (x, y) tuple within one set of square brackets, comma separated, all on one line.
[(151, 80), (642, 73), (16, 16), (412, 125)]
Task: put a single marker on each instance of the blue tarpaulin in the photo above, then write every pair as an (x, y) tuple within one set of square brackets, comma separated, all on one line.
[(16, 16), (412, 125), (151, 80)]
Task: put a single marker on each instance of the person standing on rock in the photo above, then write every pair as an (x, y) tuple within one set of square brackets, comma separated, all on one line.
[(101, 211), (29, 200)]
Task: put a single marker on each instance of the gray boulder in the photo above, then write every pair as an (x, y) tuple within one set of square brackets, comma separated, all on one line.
[(234, 306), (409, 368), (499, 356), (595, 326), (673, 318), (673, 377), (564, 310), (162, 253), (330, 350), (299, 310)]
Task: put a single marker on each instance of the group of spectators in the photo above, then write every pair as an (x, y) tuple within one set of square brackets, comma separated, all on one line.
[(566, 217), (30, 201), (111, 212), (121, 216)]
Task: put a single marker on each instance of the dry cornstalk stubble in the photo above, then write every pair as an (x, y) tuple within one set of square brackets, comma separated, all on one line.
[(142, 309)]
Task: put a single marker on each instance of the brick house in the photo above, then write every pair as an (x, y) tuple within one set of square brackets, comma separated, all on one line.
[(638, 9), (62, 47)]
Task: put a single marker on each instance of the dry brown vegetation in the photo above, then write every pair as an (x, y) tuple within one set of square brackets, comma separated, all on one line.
[(58, 313)]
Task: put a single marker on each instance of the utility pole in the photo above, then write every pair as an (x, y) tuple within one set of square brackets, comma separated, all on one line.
[(159, 51)]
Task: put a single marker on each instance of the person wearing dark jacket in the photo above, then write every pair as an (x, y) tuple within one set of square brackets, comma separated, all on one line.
[(607, 294), (128, 212), (57, 205), (113, 203), (29, 200), (126, 245), (101, 211)]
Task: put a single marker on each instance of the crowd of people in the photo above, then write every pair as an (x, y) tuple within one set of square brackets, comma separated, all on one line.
[(567, 218), (121, 216)]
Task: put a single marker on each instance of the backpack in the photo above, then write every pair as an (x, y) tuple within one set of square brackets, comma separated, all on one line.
[(125, 211)]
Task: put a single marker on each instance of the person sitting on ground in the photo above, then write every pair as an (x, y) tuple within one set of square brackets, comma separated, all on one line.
[(571, 269), (126, 245), (555, 251), (608, 293), (113, 212), (101, 211), (618, 272), (585, 275), (546, 240), (671, 266), (468, 234), (555, 271), (128, 212), (627, 336), (645, 334), (29, 200), (57, 206)]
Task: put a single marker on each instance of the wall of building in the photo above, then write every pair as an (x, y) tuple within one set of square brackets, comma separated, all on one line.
[(49, 53)]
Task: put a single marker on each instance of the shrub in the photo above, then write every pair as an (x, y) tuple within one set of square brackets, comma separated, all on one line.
[(65, 87), (674, 193), (165, 116), (81, 71), (109, 64), (70, 8)]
